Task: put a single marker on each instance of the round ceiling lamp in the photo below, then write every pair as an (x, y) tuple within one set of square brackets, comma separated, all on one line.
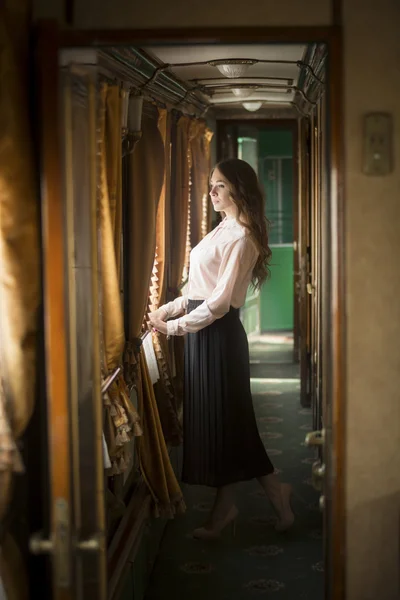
[(233, 68), (252, 106), (242, 92)]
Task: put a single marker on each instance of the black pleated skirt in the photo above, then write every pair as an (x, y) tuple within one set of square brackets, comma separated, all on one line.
[(221, 443)]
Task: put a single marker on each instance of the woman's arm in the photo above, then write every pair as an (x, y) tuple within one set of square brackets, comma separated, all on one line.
[(238, 259), (170, 309), (176, 307)]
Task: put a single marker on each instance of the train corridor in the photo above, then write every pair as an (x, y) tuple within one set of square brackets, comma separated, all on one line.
[(256, 560)]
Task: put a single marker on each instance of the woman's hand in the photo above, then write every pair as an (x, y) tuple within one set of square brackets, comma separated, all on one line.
[(160, 314), (157, 320), (159, 325)]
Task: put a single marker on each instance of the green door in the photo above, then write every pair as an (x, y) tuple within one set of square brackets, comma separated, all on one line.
[(270, 152), (276, 171)]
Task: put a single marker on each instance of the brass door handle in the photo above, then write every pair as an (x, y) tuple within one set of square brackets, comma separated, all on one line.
[(318, 470), (322, 503), (318, 473), (310, 288), (39, 545), (59, 544), (315, 438), (91, 545)]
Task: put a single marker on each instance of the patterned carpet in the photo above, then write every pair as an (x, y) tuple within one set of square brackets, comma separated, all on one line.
[(257, 562)]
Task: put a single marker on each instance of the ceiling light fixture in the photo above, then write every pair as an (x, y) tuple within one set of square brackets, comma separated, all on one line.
[(242, 92), (252, 106), (233, 68)]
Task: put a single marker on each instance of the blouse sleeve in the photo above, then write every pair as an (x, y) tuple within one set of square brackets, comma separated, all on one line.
[(175, 307), (237, 261)]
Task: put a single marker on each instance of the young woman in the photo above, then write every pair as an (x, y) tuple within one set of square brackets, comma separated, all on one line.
[(222, 445)]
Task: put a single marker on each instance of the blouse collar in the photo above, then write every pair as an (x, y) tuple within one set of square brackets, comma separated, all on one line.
[(229, 222)]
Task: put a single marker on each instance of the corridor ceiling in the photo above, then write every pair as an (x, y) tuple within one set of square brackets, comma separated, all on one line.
[(272, 82)]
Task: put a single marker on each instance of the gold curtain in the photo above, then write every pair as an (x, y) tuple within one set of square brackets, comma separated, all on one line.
[(153, 453), (179, 205), (163, 389), (180, 181), (200, 167), (121, 419), (146, 182), (19, 244), (163, 210), (114, 166)]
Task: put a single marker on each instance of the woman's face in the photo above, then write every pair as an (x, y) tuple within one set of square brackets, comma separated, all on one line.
[(220, 193)]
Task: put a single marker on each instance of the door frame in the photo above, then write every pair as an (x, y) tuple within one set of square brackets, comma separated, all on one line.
[(292, 126), (55, 39)]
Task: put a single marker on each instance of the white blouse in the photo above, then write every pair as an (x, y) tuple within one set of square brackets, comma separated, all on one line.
[(221, 267)]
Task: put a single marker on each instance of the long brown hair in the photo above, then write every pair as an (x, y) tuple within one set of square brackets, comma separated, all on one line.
[(248, 197)]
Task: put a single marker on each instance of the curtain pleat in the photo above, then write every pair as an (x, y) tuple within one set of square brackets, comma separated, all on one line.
[(164, 389), (165, 393), (114, 168), (200, 168), (19, 244), (153, 453), (147, 178), (163, 211), (179, 205), (121, 419), (110, 164), (180, 181)]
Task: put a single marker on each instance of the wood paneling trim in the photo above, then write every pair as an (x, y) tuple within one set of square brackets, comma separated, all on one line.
[(338, 312), (296, 244), (54, 300), (201, 35)]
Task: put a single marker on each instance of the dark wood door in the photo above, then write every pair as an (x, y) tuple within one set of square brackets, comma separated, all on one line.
[(305, 260), (74, 532), (56, 538), (314, 287)]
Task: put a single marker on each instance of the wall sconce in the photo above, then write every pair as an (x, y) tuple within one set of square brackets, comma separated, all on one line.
[(131, 115)]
